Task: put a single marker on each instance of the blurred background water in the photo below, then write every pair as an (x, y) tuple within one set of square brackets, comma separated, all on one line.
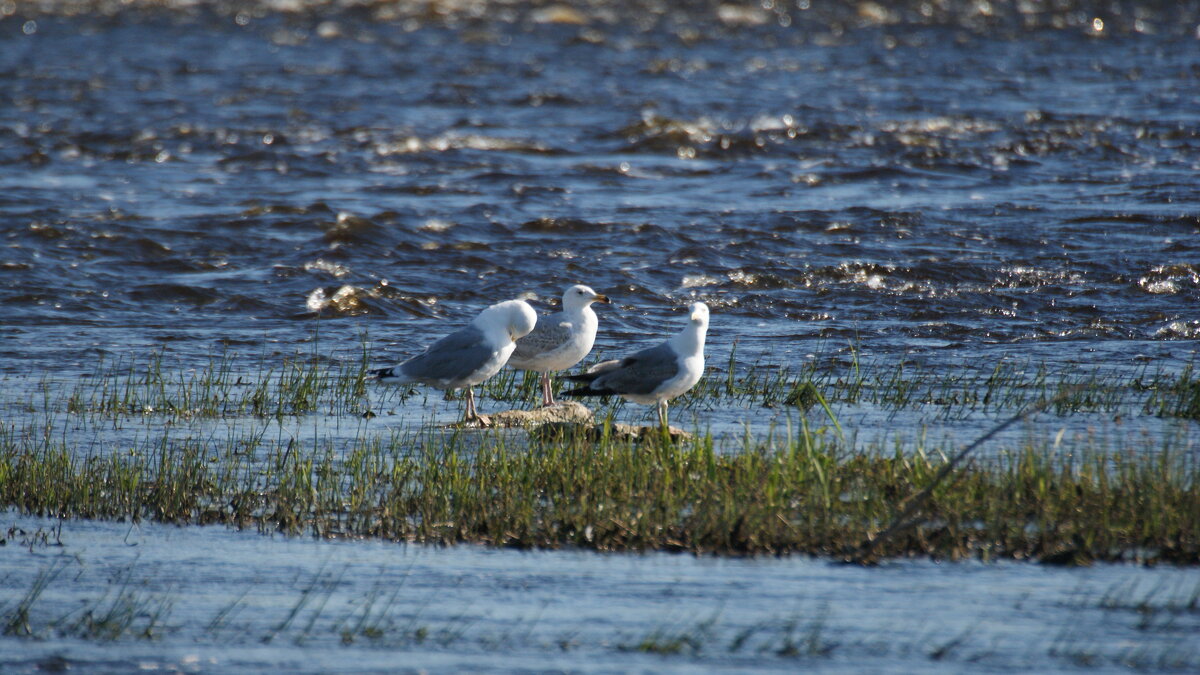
[(950, 181)]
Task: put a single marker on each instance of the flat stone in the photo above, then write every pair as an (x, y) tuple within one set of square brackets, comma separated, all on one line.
[(564, 412), (566, 419), (594, 432)]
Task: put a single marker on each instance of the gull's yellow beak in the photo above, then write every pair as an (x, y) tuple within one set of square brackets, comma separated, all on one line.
[(601, 298)]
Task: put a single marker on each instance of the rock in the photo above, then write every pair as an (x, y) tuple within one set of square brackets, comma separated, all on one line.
[(641, 433), (594, 432), (566, 419), (565, 412), (480, 422)]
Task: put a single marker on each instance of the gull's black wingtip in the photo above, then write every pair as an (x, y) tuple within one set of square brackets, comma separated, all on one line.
[(382, 373), (587, 391)]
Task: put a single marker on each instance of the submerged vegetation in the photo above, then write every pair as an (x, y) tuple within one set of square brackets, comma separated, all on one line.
[(296, 386), (303, 384), (801, 489), (324, 609)]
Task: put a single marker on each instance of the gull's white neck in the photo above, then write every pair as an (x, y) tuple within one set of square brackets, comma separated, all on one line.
[(581, 314), (690, 341)]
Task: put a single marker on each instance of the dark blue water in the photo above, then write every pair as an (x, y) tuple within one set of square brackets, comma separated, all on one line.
[(947, 185), (950, 190)]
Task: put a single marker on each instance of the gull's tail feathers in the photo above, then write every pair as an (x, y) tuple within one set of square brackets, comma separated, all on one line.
[(589, 376), (391, 375), (589, 391)]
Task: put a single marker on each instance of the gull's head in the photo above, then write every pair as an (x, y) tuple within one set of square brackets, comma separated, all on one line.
[(698, 314), (521, 319), (515, 317), (580, 296)]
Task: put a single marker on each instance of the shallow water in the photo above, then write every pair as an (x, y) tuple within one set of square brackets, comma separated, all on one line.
[(229, 597), (951, 190), (940, 193)]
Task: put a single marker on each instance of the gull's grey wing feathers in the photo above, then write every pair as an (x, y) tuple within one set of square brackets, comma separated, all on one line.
[(638, 373), (454, 357), (549, 334), (597, 370)]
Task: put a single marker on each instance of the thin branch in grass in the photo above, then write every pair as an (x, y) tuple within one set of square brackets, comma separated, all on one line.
[(905, 519)]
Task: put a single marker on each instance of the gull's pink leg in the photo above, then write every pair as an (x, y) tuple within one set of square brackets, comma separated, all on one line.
[(471, 414)]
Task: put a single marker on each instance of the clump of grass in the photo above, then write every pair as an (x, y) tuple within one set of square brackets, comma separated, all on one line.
[(1156, 608), (786, 638), (1164, 613), (810, 643), (122, 611), (669, 640), (1179, 398), (318, 593), (39, 538), (16, 619), (371, 621)]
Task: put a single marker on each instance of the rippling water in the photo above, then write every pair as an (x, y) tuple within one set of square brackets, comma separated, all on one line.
[(947, 183), (945, 188), (218, 601)]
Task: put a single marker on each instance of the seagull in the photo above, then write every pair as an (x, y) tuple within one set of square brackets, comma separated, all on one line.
[(560, 340), (653, 376), (468, 356)]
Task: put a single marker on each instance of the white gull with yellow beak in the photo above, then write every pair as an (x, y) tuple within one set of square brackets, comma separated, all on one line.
[(656, 375), (560, 340)]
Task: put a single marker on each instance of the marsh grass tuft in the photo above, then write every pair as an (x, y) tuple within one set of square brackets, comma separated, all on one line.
[(17, 618), (1179, 398), (122, 611), (681, 637)]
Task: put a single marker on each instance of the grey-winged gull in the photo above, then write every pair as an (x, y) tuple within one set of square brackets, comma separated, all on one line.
[(468, 356), (656, 375), (560, 340)]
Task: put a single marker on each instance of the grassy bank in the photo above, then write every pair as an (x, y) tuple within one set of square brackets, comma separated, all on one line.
[(800, 493), (210, 446)]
